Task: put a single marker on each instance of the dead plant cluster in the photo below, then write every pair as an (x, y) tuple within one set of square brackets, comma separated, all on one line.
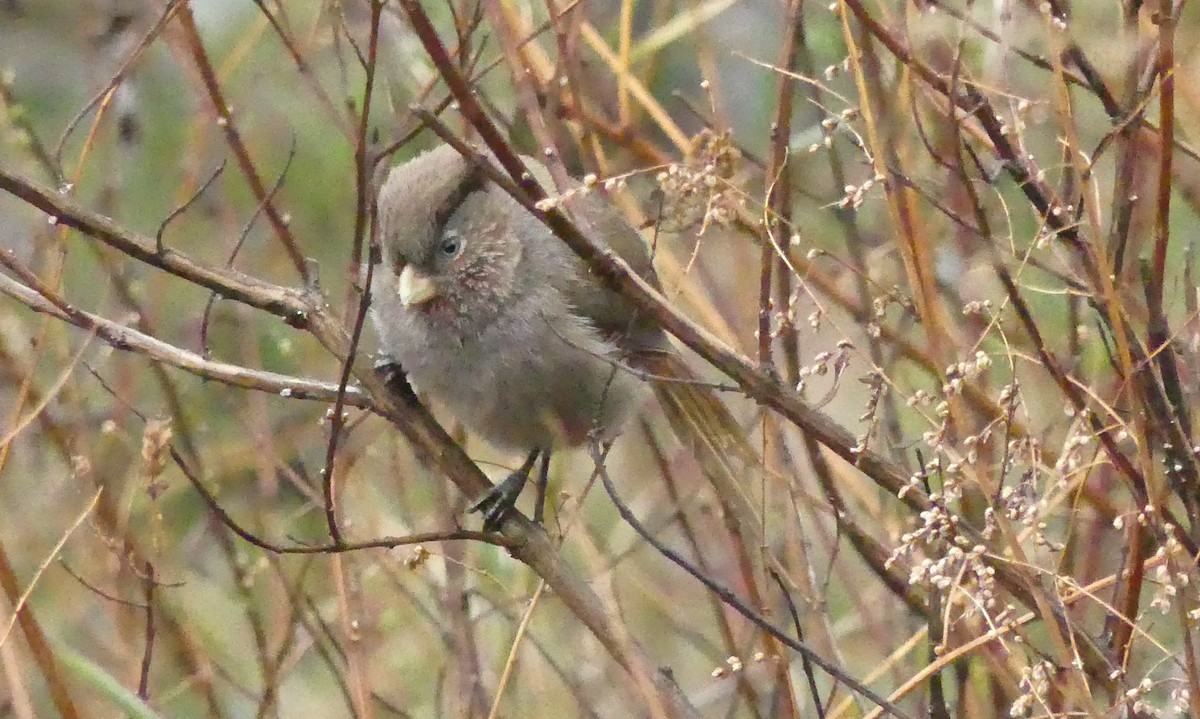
[(937, 258)]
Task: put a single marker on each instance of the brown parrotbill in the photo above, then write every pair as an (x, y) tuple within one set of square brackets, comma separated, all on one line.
[(494, 317)]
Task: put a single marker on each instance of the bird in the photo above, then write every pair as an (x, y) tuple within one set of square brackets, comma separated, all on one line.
[(491, 315)]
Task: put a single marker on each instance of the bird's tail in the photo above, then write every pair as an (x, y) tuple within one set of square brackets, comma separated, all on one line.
[(715, 438)]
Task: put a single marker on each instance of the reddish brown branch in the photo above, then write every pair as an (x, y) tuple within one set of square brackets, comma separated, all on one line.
[(240, 152)]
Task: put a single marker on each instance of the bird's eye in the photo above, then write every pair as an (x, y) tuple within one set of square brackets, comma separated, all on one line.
[(451, 246)]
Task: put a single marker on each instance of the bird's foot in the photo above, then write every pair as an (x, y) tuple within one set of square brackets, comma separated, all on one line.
[(501, 500), (393, 375)]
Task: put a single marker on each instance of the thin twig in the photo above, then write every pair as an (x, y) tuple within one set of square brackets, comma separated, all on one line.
[(731, 600)]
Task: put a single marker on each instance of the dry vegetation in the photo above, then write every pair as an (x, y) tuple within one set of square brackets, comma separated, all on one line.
[(937, 257)]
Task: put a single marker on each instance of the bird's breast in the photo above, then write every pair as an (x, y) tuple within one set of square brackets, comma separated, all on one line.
[(524, 381)]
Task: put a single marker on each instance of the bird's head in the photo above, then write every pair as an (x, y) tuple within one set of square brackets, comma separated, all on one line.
[(450, 238)]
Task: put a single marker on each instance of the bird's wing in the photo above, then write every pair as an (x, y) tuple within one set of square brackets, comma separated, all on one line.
[(607, 310), (610, 312)]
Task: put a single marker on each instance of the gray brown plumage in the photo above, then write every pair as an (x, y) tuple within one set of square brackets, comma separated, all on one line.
[(494, 317)]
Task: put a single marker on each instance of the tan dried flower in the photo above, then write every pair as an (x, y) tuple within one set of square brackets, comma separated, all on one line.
[(697, 191)]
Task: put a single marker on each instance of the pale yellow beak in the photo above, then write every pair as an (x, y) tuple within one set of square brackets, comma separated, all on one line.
[(415, 287)]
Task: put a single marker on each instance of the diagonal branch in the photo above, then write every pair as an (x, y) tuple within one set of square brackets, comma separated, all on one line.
[(126, 338)]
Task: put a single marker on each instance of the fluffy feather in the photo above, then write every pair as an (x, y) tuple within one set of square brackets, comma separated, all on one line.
[(518, 342)]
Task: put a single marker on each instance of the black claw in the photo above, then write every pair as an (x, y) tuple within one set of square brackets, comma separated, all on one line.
[(393, 375), (501, 500)]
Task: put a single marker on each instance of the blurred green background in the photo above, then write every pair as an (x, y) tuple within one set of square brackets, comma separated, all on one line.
[(237, 631)]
